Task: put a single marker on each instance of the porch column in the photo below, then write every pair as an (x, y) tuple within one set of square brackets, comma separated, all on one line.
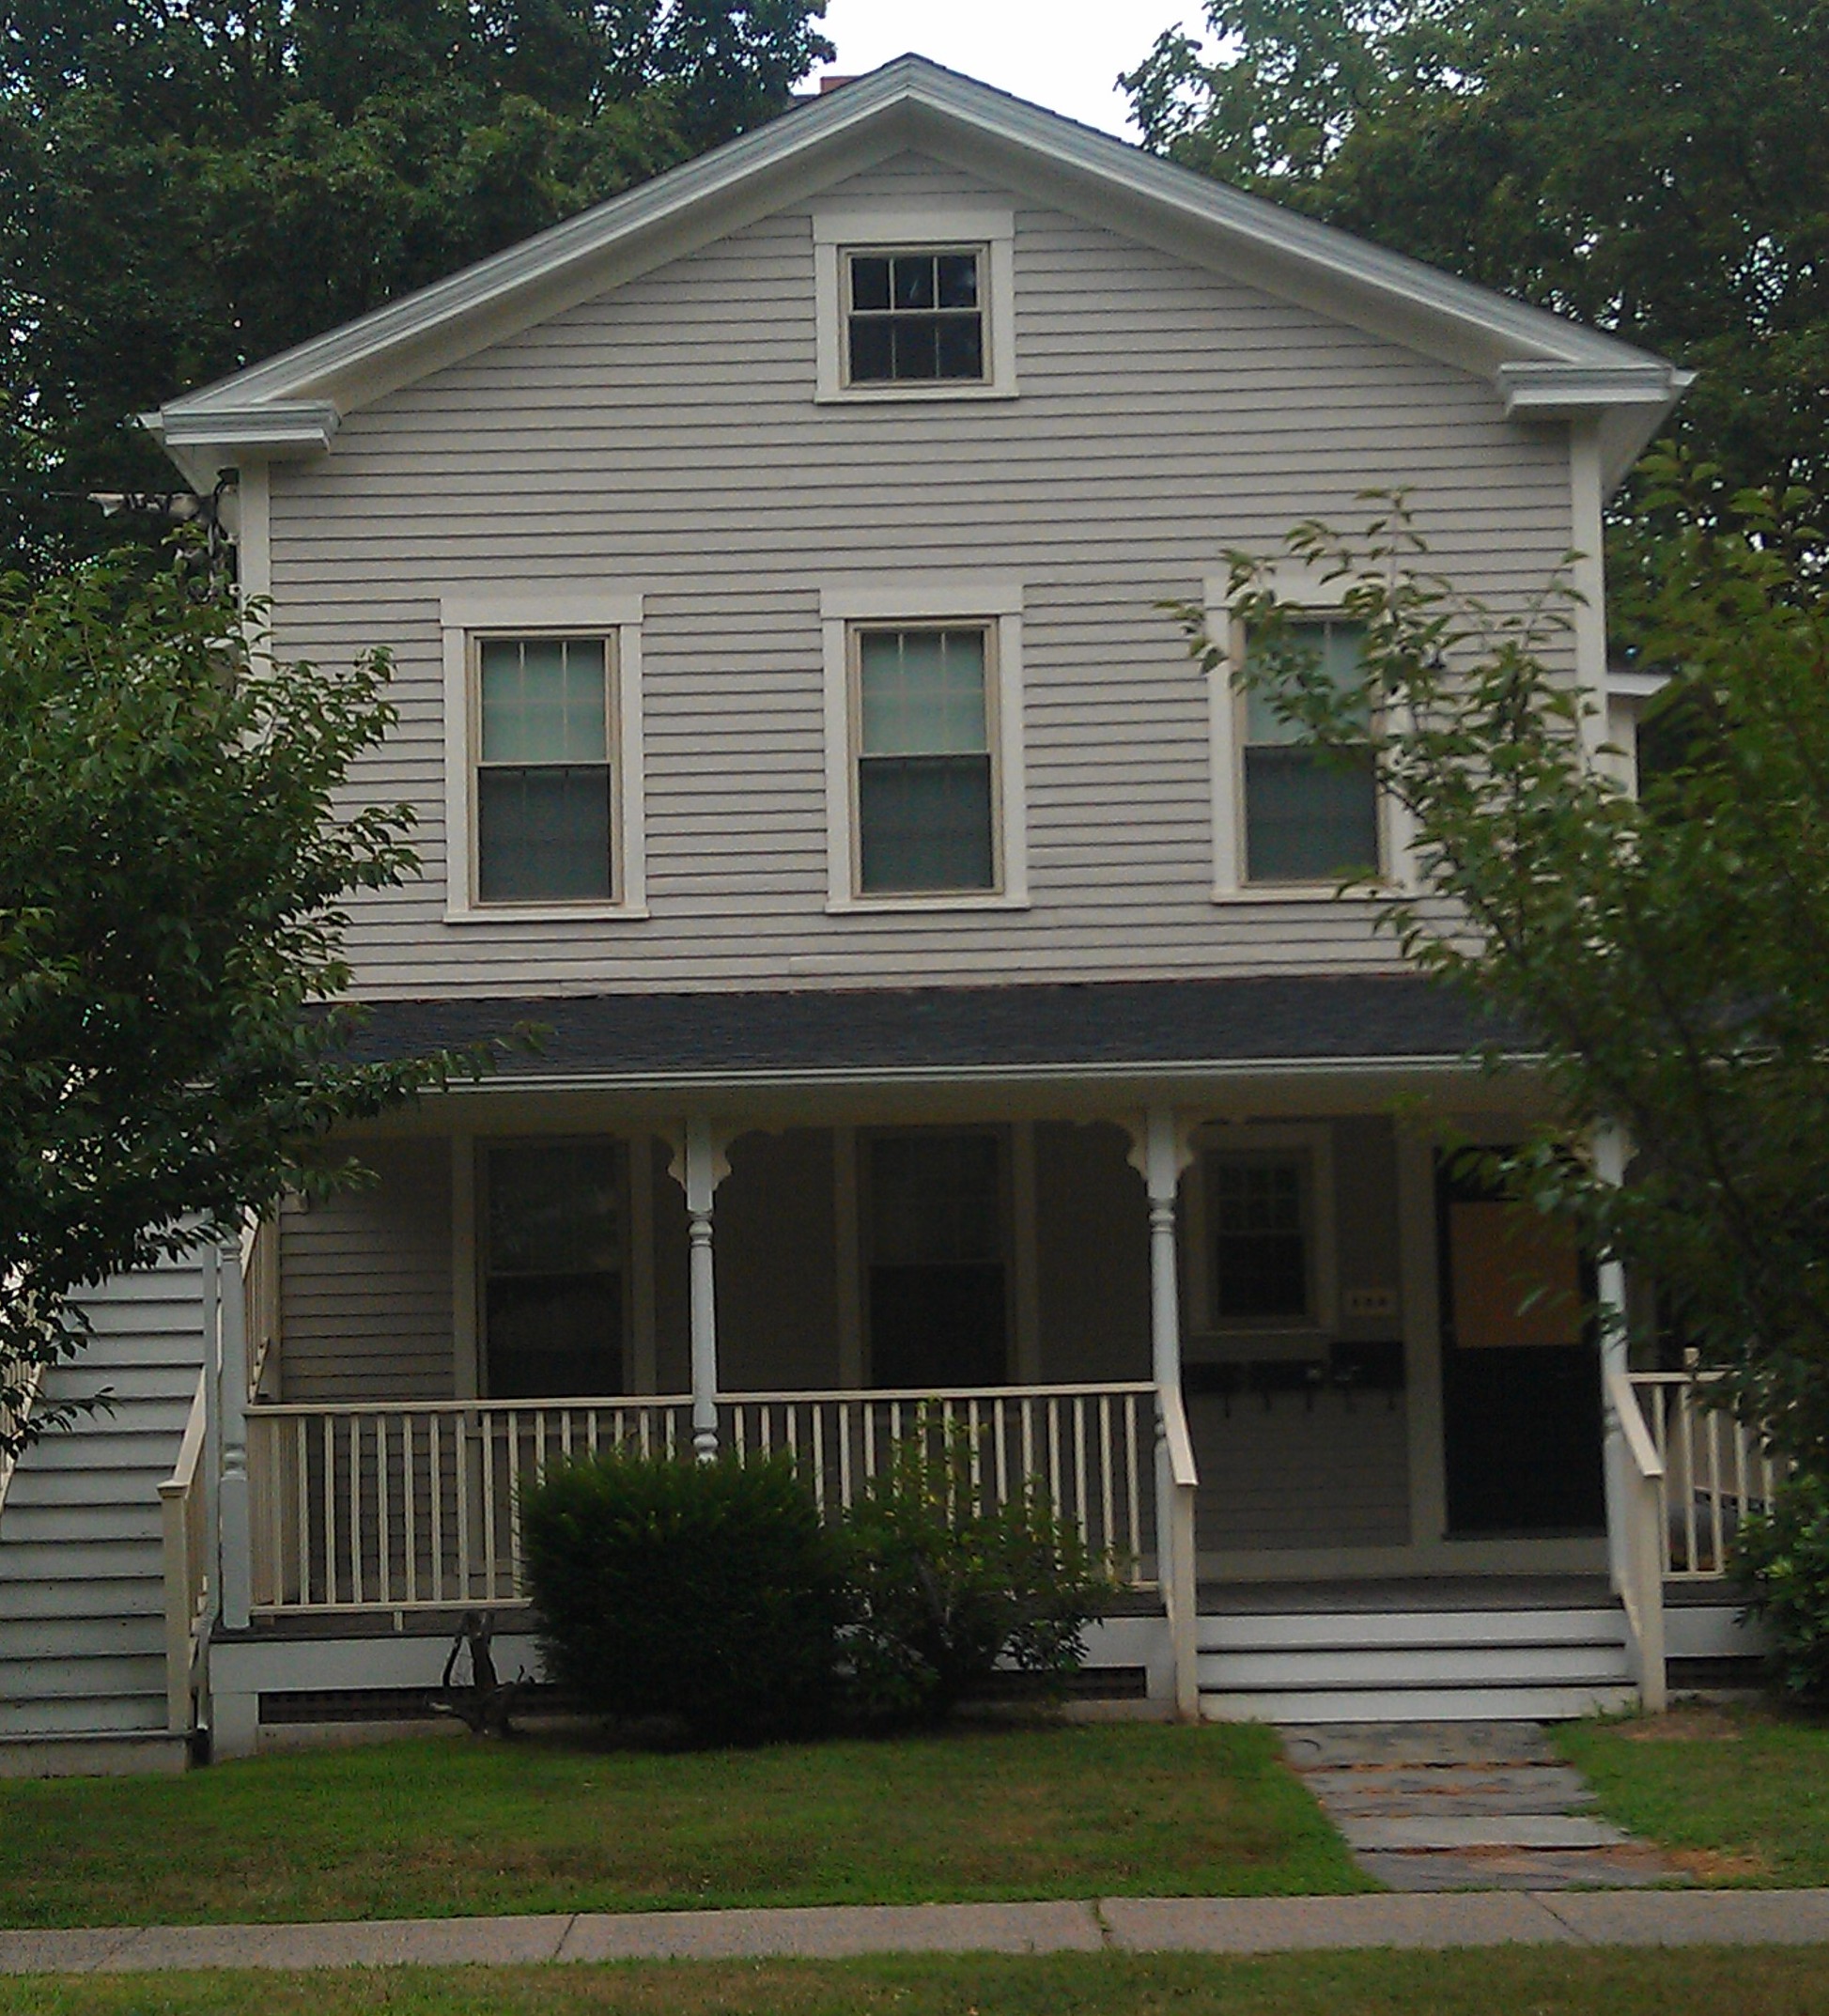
[(699, 1166), (1161, 1154)]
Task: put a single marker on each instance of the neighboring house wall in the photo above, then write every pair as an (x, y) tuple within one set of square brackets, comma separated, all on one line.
[(664, 440), (366, 1283)]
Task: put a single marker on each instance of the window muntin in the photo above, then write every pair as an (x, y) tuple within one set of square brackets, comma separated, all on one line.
[(1309, 815), (937, 1293), (914, 317), (927, 810), (1261, 1240), (545, 793), (554, 1262)]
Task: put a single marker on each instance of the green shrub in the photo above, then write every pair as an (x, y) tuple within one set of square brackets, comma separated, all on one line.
[(1785, 1555), (945, 1585), (711, 1591)]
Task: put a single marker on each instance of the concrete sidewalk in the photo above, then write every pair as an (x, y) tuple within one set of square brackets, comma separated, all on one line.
[(1124, 1925)]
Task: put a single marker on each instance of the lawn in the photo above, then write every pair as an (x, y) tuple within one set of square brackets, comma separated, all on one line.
[(1542, 1982), (434, 1827), (1740, 1797)]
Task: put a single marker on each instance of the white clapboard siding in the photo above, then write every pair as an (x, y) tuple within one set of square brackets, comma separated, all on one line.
[(366, 1283), (81, 1566), (664, 439)]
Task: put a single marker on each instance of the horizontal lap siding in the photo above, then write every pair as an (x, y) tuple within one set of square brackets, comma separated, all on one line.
[(365, 1284), (664, 437)]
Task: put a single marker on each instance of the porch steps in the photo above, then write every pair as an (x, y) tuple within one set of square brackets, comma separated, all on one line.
[(1454, 1663), (82, 1568)]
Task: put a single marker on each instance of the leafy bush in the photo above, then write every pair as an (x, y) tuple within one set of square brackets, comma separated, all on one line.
[(1785, 1554), (664, 1586), (944, 1584)]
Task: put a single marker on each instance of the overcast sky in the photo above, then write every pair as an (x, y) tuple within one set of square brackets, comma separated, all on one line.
[(1062, 53)]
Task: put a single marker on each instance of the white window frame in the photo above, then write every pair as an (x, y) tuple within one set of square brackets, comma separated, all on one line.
[(467, 619), (1306, 592), (1306, 1143), (992, 601), (941, 225)]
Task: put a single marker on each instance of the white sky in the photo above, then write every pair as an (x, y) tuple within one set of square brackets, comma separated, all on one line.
[(1062, 53)]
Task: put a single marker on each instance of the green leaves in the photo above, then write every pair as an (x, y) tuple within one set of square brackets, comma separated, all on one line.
[(172, 864)]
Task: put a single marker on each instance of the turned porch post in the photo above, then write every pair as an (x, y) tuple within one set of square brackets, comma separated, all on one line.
[(1610, 1295), (700, 1167), (237, 1539)]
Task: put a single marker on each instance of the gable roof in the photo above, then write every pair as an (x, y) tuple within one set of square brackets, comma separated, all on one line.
[(1542, 366)]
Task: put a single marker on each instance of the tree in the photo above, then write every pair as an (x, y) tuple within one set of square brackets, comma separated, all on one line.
[(1666, 955), (1655, 170), (172, 861), (187, 186)]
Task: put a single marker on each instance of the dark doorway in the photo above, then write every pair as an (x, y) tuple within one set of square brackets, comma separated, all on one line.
[(1521, 1400)]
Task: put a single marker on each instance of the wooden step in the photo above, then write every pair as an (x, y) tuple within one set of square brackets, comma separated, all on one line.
[(83, 1637), (100, 1714), (1420, 1704), (48, 1561), (100, 1673), (29, 1600), (1435, 1665), (122, 1484), (82, 1753), (1247, 1631), (81, 1525)]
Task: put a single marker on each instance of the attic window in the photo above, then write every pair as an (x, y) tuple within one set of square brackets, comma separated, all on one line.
[(914, 317)]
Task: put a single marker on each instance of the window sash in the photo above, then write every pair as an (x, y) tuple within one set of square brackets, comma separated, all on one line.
[(545, 798), (1306, 815), (1261, 1236), (914, 316), (553, 1232)]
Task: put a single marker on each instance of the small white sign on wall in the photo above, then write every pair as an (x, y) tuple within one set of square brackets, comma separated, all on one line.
[(1368, 1302)]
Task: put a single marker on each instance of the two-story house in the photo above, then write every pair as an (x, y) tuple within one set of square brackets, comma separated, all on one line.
[(944, 988)]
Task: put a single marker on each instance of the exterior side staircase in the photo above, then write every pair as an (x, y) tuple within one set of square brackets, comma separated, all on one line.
[(82, 1569), (1451, 1653)]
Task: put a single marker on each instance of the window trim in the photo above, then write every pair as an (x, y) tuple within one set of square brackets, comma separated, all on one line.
[(1307, 593), (467, 619), (992, 601), (941, 225), (1310, 1147)]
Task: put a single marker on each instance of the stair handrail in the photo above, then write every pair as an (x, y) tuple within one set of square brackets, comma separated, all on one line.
[(184, 1520), (1178, 1478), (1641, 1556), (260, 1289)]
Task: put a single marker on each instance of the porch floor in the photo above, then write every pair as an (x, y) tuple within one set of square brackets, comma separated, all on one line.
[(1414, 1593)]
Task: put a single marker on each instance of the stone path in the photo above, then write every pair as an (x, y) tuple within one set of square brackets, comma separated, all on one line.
[(1465, 1806), (1127, 1925)]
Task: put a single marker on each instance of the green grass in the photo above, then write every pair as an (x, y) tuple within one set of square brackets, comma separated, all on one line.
[(434, 1827), (1741, 1798), (1528, 1982)]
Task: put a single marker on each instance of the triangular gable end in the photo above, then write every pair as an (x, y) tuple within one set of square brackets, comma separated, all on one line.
[(1544, 367)]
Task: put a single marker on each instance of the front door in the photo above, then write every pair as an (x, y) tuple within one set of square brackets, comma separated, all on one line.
[(1521, 1400)]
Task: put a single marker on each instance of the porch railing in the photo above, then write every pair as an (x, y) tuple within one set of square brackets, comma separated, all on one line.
[(1715, 1470), (418, 1506), (188, 1535)]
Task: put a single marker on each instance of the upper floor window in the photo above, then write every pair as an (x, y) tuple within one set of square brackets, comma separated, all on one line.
[(543, 756), (1310, 814), (544, 788), (913, 317), (926, 793), (914, 300)]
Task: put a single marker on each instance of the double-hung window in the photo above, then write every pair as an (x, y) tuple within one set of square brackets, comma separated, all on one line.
[(552, 1268), (543, 756), (914, 317), (924, 742), (937, 1295), (926, 795), (545, 786), (1289, 818)]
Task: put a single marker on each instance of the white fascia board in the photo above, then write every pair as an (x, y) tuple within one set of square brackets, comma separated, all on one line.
[(1629, 400), (908, 102), (1632, 682), (205, 440)]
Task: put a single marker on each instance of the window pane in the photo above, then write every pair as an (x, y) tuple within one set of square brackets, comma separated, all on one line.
[(914, 280), (958, 280), (556, 1208), (921, 692), (961, 346), (924, 823), (556, 1336), (1309, 816), (543, 700), (869, 282), (935, 1199), (543, 832), (915, 346), (873, 352), (1338, 650)]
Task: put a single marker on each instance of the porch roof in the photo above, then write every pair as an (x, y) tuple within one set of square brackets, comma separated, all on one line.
[(1294, 1021)]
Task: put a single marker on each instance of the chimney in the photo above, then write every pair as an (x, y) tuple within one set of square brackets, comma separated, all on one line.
[(830, 83)]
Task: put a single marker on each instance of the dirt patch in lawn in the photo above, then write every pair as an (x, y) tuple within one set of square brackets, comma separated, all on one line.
[(1697, 1723)]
